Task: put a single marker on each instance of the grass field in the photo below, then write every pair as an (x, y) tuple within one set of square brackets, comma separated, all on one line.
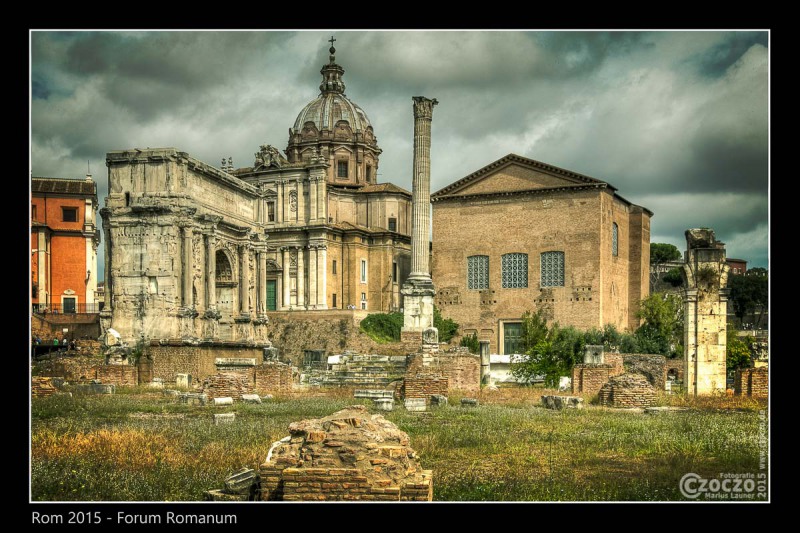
[(139, 445)]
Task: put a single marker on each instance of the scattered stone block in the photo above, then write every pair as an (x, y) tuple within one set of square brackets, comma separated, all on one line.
[(183, 380), (267, 397), (224, 418), (251, 398), (193, 398), (469, 402), (217, 495), (384, 404), (171, 392), (372, 393), (227, 400), (665, 409), (438, 399), (241, 481), (157, 383), (415, 404), (562, 402)]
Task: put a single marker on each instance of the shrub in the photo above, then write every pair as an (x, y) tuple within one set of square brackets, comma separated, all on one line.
[(471, 342), (383, 327)]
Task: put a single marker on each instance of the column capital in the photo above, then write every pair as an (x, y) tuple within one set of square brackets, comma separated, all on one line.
[(423, 107)]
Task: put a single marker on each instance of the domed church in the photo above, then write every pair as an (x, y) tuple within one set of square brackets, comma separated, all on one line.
[(199, 252)]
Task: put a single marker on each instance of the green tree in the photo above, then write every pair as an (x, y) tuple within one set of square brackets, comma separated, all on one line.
[(446, 326), (661, 253), (673, 277), (550, 352), (662, 328), (534, 329), (748, 294), (737, 352)]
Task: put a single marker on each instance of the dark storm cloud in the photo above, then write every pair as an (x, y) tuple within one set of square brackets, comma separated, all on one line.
[(716, 60), (578, 53), (677, 121)]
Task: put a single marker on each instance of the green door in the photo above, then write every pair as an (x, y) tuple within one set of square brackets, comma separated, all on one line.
[(512, 334), (69, 305), (272, 302)]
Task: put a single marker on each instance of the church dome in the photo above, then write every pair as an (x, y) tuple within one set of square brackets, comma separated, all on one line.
[(332, 105), (327, 109)]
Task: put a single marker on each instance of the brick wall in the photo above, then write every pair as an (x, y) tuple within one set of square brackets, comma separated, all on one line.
[(424, 385), (228, 384), (333, 331), (462, 370), (120, 375), (676, 365), (752, 382), (71, 368), (339, 484), (42, 386), (176, 358), (271, 378), (651, 366), (616, 361), (589, 378), (627, 390)]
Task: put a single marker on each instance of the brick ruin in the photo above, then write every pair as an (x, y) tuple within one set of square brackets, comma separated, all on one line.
[(589, 378), (627, 390), (752, 382), (228, 384), (653, 367), (81, 369), (42, 387), (350, 455)]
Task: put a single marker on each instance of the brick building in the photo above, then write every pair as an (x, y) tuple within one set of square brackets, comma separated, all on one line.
[(520, 235), (64, 242), (737, 266)]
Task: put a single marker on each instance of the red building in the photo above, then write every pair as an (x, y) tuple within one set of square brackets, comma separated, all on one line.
[(737, 266), (64, 242)]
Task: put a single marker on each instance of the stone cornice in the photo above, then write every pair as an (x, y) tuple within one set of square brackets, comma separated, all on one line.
[(529, 192)]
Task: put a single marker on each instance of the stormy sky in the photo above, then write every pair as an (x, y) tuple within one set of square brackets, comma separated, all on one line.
[(677, 120)]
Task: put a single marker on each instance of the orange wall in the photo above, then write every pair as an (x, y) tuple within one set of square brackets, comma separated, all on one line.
[(67, 251)]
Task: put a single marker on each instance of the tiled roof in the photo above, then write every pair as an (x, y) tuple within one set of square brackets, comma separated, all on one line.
[(383, 187), (63, 186)]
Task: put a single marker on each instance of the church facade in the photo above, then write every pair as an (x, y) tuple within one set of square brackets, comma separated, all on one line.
[(520, 235), (199, 253)]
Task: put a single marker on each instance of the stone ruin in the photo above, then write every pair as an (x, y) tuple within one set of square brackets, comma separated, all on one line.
[(350, 455), (627, 390)]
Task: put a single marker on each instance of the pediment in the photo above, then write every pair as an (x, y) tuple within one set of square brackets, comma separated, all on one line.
[(515, 174)]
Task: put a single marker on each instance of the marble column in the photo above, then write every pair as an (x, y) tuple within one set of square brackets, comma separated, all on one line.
[(188, 271), (418, 290), (421, 188), (244, 285), (312, 199), (312, 277), (286, 282), (262, 282), (301, 289), (107, 289), (301, 203), (322, 277), (279, 203), (211, 273)]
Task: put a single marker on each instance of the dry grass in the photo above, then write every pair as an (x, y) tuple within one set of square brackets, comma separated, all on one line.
[(145, 446)]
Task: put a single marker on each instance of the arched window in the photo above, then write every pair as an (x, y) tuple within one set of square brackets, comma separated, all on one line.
[(515, 271), (614, 239), (223, 267), (478, 272), (552, 265)]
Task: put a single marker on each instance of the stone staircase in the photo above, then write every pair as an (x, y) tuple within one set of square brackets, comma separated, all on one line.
[(357, 371)]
